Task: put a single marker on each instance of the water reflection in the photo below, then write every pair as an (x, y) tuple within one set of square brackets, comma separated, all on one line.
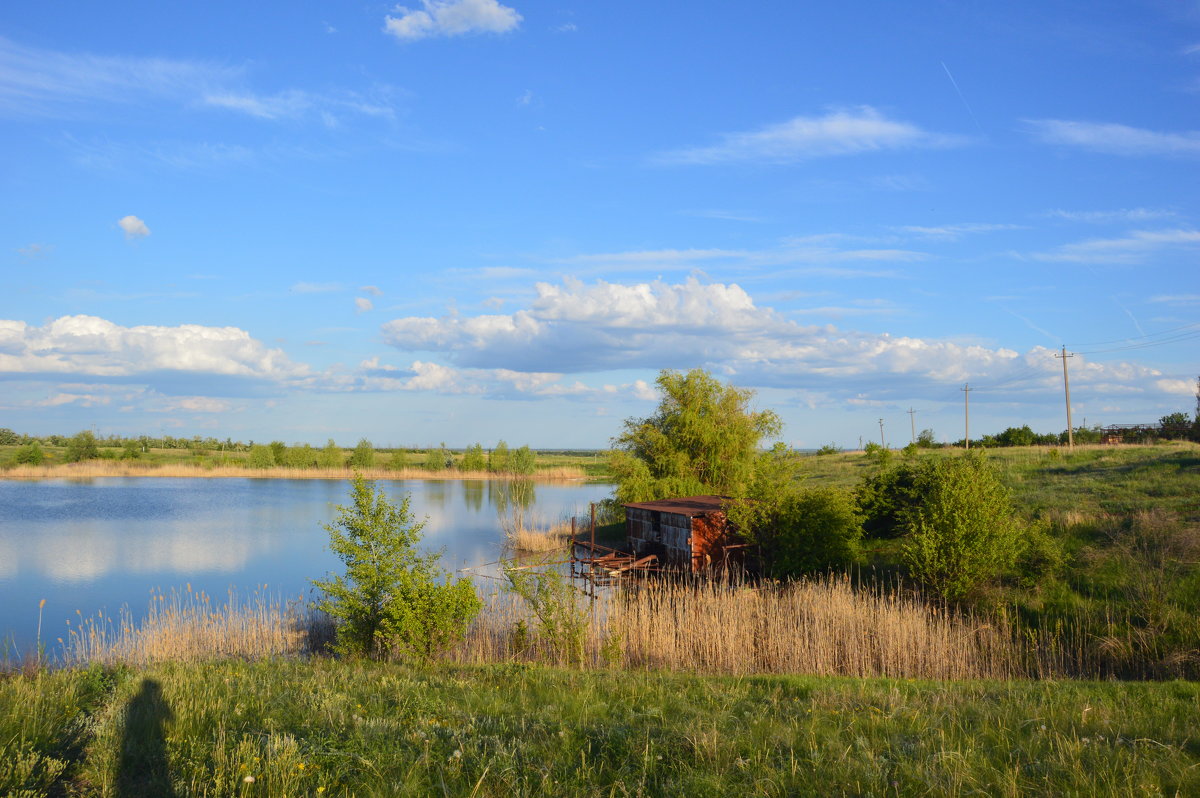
[(106, 542)]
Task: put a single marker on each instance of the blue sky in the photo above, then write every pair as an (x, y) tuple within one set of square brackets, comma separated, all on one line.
[(469, 220)]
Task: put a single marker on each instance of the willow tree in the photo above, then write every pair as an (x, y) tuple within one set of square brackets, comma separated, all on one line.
[(703, 438)]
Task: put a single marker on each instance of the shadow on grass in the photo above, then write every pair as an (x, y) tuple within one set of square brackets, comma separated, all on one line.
[(143, 769)]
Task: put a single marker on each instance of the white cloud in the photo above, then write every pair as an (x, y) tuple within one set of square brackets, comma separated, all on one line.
[(40, 82), (842, 132), (1177, 299), (190, 404), (1116, 139), (1135, 247), (362, 304), (578, 328), (316, 288), (87, 345), (373, 290), (1120, 215), (34, 250), (133, 227), (451, 18), (955, 231)]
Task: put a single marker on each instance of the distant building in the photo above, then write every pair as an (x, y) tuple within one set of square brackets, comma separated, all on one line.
[(691, 533)]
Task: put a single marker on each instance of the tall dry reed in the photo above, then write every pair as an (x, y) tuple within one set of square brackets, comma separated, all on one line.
[(185, 626), (820, 627)]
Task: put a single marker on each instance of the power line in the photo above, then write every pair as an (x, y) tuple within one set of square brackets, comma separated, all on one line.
[(1138, 337)]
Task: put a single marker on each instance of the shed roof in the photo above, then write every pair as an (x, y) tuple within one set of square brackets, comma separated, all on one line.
[(690, 506)]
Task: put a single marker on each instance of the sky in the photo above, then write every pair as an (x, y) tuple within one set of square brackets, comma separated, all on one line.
[(467, 220)]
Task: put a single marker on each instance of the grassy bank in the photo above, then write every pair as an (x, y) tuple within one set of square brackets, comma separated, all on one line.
[(211, 469), (353, 728)]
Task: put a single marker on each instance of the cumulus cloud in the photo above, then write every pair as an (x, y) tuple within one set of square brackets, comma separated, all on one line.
[(133, 227), (497, 383), (1115, 139), (362, 304), (581, 328), (842, 132), (451, 18), (87, 345)]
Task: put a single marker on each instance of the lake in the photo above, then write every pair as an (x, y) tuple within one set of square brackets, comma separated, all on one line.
[(99, 544)]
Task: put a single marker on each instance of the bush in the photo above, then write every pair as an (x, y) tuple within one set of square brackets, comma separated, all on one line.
[(887, 498), (561, 618), (331, 455), (829, 448), (473, 459), (812, 530), (392, 600), (260, 457), (363, 455), (30, 454), (399, 460), (962, 533), (524, 462), (81, 447), (498, 458)]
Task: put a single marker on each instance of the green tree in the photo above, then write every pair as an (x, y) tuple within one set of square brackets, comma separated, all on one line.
[(498, 459), (435, 459), (799, 529), (279, 451), (363, 455), (131, 451), (1016, 436), (962, 533), (473, 459), (81, 447), (260, 457), (524, 461), (925, 439), (8, 437), (303, 456), (331, 455), (399, 460), (703, 438), (392, 600), (30, 454)]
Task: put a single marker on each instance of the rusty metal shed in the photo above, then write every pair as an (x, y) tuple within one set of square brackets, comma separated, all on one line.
[(691, 533)]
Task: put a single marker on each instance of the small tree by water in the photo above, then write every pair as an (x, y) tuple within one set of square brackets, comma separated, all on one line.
[(392, 600)]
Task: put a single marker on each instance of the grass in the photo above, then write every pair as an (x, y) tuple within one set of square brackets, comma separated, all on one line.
[(327, 727), (211, 469)]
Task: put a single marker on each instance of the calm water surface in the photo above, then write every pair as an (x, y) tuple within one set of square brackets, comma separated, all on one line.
[(99, 544)]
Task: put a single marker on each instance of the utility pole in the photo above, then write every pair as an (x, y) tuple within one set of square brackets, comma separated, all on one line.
[(881, 440), (966, 389), (912, 422), (1067, 389)]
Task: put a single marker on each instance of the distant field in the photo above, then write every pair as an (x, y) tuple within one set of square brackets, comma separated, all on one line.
[(550, 464)]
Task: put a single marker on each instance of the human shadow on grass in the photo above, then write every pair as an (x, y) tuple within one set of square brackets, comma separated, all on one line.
[(143, 769)]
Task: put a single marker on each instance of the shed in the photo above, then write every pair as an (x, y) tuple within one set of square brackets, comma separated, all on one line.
[(691, 533)]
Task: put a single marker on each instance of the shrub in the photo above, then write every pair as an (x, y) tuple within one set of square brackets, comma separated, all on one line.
[(399, 460), (887, 498), (81, 447), (524, 462), (473, 459), (812, 530), (1041, 556), (30, 454), (363, 455), (829, 448), (260, 457), (392, 600), (561, 619), (331, 455), (498, 458), (962, 532)]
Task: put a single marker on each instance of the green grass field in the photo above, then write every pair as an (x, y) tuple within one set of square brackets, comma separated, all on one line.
[(351, 728)]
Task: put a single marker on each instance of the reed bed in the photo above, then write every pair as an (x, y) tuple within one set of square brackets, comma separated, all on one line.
[(820, 627), (110, 468), (185, 626)]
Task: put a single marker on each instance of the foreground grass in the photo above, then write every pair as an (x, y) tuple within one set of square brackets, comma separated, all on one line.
[(339, 728)]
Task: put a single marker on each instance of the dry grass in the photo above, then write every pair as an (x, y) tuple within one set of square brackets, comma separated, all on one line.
[(537, 540), (185, 627), (819, 627), (111, 468)]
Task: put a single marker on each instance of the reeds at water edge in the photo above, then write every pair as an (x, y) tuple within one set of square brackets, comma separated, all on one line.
[(123, 468)]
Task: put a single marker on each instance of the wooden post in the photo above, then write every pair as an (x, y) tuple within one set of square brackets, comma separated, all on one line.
[(573, 555)]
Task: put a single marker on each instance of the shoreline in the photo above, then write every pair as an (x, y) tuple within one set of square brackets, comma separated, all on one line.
[(92, 470)]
